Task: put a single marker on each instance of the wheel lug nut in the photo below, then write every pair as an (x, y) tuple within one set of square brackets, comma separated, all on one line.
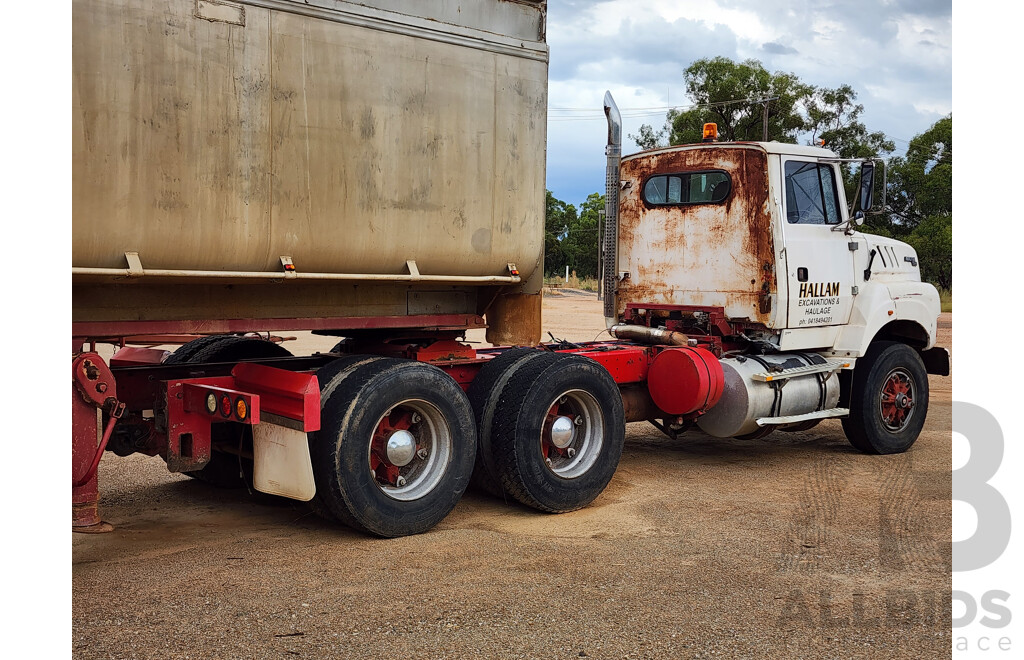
[(570, 452), (548, 461), (578, 421), (423, 453), (400, 482), (416, 419), (563, 400)]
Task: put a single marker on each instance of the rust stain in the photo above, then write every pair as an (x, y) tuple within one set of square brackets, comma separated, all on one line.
[(705, 254), (515, 320)]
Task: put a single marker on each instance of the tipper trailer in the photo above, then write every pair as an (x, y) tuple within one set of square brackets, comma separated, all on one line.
[(366, 173)]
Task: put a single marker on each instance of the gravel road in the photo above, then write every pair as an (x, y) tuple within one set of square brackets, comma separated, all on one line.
[(791, 546)]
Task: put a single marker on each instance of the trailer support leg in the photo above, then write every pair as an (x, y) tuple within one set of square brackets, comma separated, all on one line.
[(91, 390), (85, 516)]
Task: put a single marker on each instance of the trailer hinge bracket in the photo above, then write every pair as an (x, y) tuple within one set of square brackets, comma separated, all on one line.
[(134, 264)]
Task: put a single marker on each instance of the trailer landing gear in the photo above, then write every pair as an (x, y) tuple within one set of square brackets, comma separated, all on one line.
[(92, 392)]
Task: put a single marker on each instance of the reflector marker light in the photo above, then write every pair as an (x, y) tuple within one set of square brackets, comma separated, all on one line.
[(241, 410), (211, 403), (225, 406)]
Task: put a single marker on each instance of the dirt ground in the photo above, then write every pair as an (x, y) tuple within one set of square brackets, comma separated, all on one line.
[(791, 546)]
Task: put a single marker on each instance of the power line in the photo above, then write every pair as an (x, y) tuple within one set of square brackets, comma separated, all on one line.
[(634, 113)]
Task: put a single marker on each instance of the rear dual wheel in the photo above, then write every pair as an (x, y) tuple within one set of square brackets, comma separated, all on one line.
[(396, 446), (554, 426)]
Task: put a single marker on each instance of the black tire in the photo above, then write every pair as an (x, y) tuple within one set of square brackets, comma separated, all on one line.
[(522, 432), (330, 376), (484, 395), (232, 348), (342, 452), (878, 425), (762, 432), (183, 354), (226, 470)]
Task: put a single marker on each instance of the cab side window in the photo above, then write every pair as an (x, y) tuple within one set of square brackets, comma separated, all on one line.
[(811, 194), (710, 187)]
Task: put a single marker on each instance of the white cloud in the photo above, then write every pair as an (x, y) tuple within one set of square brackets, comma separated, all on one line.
[(897, 54)]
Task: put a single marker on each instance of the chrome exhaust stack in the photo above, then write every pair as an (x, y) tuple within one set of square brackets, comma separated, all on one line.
[(611, 206)]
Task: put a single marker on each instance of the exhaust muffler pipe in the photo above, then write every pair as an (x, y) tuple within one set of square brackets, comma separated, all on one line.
[(611, 206), (641, 334)]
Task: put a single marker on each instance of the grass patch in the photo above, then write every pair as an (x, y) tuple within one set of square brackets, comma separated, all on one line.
[(583, 284), (946, 299)]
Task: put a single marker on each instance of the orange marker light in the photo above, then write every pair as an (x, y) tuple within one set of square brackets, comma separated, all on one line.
[(710, 132), (241, 410)]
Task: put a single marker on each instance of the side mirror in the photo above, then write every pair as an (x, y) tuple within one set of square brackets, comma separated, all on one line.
[(858, 218), (867, 186)]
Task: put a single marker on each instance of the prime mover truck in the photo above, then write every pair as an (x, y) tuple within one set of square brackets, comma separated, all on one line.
[(374, 171)]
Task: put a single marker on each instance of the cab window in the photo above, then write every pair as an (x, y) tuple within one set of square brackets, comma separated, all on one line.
[(811, 194), (710, 187)]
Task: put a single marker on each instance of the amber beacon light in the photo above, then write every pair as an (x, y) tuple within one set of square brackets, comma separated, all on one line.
[(710, 132)]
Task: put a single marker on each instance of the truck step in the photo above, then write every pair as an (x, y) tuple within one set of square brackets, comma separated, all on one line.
[(828, 365), (793, 419)]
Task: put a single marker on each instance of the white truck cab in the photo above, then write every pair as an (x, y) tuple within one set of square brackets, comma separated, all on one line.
[(751, 249)]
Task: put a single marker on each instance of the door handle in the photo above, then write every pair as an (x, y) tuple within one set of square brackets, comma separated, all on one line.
[(801, 274)]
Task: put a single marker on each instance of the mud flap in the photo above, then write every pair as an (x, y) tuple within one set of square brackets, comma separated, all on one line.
[(281, 462)]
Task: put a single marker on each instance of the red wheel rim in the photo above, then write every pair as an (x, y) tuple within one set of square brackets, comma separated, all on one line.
[(896, 400)]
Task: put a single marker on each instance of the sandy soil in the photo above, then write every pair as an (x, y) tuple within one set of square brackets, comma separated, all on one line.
[(790, 546)]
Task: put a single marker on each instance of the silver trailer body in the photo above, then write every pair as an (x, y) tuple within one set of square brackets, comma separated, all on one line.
[(391, 152)]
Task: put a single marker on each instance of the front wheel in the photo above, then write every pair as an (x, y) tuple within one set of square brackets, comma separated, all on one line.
[(396, 447), (888, 399)]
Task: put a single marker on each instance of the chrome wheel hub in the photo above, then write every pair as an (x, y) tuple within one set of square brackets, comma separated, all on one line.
[(562, 432), (401, 448)]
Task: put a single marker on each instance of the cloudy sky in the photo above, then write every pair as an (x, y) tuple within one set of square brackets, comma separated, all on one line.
[(897, 55)]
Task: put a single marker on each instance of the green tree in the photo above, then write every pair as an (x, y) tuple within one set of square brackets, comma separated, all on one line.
[(833, 115), (558, 217), (933, 241), (730, 94), (921, 183), (648, 138), (919, 199), (580, 242)]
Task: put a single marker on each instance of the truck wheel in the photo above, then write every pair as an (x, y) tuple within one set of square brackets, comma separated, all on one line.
[(558, 432), (184, 352), (762, 432), (888, 399), (226, 470), (330, 376), (484, 395), (395, 449), (229, 348)]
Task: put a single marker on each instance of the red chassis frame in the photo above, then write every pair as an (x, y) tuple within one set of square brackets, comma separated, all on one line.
[(280, 390)]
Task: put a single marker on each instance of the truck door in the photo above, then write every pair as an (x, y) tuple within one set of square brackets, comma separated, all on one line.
[(819, 263)]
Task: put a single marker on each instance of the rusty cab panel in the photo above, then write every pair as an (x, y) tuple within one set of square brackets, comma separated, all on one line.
[(680, 243)]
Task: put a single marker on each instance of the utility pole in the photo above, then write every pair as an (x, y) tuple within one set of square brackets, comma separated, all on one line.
[(765, 102)]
